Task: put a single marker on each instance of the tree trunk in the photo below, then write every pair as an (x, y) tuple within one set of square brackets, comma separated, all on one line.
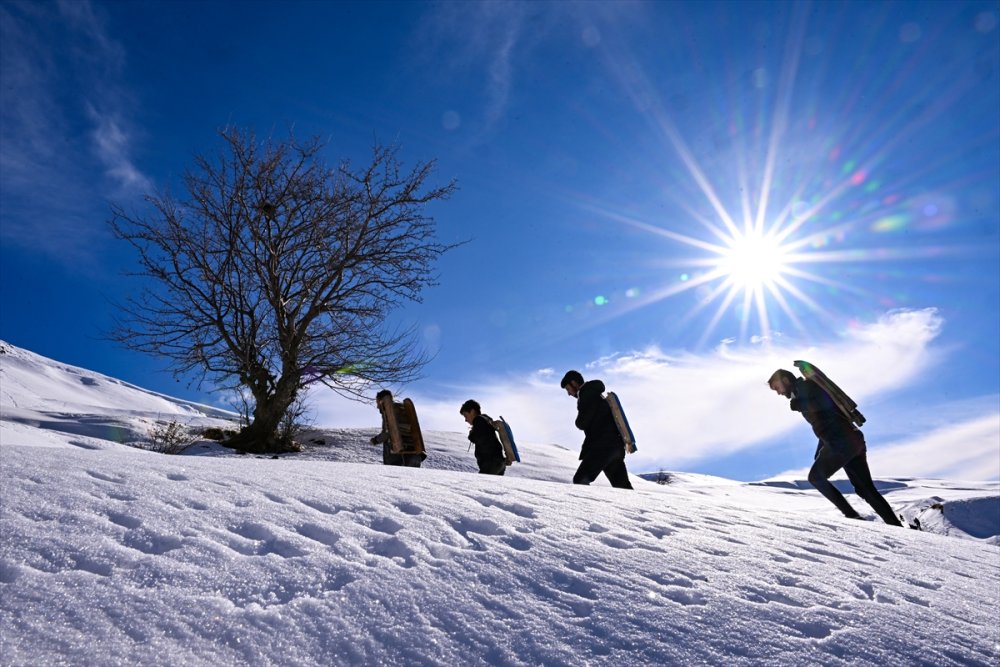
[(262, 435)]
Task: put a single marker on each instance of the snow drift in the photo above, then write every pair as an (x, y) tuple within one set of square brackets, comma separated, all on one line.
[(116, 555)]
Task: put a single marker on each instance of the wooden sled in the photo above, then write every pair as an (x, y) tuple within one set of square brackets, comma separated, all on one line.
[(621, 421), (415, 435), (404, 429), (507, 440), (843, 401)]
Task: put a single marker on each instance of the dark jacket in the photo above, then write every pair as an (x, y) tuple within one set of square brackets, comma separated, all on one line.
[(594, 418), (828, 422), (489, 450)]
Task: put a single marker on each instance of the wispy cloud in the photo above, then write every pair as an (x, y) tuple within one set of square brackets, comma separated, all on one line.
[(67, 133), (969, 450), (479, 40), (491, 46), (112, 144), (687, 409)]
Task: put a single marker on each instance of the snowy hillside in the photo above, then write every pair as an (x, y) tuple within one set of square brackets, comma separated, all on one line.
[(116, 555)]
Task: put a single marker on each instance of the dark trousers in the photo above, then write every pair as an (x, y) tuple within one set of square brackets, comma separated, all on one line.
[(828, 462), (392, 459), (611, 463), (492, 467)]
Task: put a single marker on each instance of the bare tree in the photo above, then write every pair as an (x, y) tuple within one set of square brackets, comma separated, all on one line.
[(276, 270)]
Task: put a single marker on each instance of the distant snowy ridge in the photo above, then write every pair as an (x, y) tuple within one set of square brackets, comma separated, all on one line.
[(31, 381)]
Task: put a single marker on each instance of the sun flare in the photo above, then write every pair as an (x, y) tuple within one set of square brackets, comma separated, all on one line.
[(752, 260)]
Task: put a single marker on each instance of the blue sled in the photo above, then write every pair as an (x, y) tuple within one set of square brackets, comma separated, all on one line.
[(621, 421), (507, 440)]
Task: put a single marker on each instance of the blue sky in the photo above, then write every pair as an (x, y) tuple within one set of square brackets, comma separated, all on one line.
[(623, 168)]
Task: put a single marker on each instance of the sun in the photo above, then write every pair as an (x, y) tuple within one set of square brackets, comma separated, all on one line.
[(752, 260)]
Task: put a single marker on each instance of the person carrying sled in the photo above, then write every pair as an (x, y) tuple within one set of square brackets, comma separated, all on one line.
[(489, 450), (390, 458), (840, 445), (603, 449)]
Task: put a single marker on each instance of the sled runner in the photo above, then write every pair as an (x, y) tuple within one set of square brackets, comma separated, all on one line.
[(843, 401), (507, 440), (621, 421)]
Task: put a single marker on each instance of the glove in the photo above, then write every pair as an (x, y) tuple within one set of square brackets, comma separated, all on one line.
[(374, 440), (795, 404)]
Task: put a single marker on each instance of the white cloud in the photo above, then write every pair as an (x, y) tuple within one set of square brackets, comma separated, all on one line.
[(113, 146), (969, 450), (685, 408)]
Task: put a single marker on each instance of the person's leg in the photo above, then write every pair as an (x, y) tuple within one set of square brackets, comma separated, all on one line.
[(492, 467), (590, 468), (390, 458), (617, 473), (826, 464), (861, 477)]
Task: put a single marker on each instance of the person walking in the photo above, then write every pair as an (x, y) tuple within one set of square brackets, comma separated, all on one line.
[(409, 459), (840, 445), (603, 448), (489, 450)]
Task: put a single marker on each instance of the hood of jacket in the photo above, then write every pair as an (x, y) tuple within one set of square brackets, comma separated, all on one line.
[(592, 387)]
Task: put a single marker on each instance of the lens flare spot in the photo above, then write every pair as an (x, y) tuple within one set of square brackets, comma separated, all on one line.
[(890, 223), (986, 22), (600, 301)]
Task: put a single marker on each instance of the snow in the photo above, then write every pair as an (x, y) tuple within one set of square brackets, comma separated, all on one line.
[(112, 554)]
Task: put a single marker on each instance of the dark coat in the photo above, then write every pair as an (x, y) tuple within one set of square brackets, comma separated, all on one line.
[(829, 423), (489, 450), (594, 418)]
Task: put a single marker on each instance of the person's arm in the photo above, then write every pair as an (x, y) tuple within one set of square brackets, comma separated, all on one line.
[(586, 409), (382, 437), (810, 397)]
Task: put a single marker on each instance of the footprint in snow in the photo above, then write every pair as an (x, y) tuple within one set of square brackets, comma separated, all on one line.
[(514, 508), (124, 520), (408, 508), (393, 549), (105, 477), (318, 533), (385, 525)]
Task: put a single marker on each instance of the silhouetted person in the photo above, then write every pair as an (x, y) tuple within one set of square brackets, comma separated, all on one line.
[(841, 445), (603, 449), (410, 459), (489, 450)]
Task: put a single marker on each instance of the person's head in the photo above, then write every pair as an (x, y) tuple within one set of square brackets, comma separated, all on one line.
[(379, 396), (781, 382), (470, 410), (572, 382)]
